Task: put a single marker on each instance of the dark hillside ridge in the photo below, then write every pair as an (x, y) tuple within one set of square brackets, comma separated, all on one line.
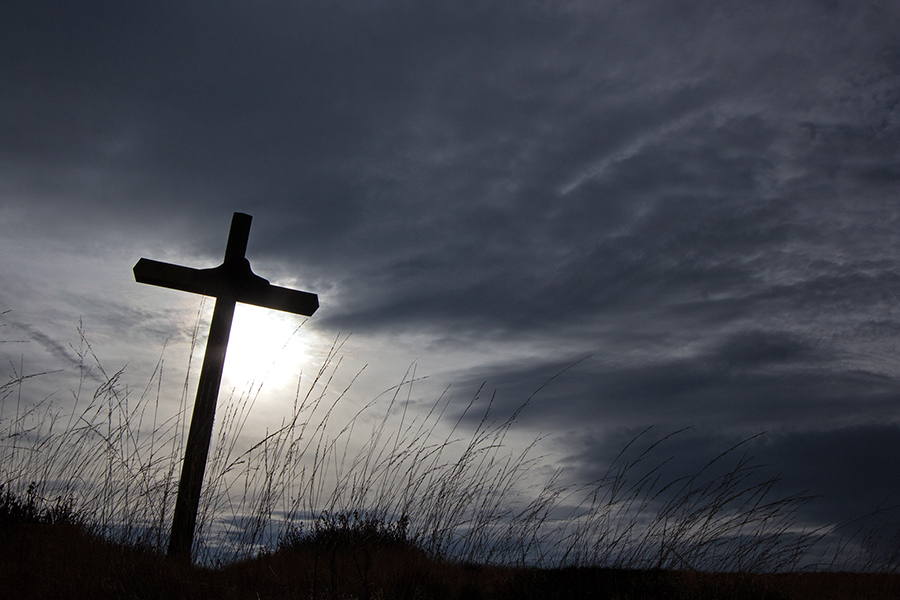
[(65, 561)]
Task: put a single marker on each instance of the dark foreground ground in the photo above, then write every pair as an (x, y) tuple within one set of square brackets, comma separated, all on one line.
[(61, 561)]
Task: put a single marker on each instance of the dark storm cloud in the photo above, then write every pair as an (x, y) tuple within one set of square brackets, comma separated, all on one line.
[(845, 469), (475, 165), (749, 381), (700, 196), (285, 108), (421, 125)]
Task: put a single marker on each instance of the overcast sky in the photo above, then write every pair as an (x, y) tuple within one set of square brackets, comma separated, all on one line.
[(698, 198)]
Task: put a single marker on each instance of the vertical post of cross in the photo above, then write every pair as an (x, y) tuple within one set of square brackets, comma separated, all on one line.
[(200, 434)]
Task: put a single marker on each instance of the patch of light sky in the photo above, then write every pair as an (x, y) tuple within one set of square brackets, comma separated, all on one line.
[(629, 150)]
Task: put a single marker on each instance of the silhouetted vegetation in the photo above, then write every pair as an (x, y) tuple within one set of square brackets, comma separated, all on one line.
[(32, 510)]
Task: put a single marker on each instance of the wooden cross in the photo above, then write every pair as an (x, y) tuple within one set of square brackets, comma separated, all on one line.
[(229, 283)]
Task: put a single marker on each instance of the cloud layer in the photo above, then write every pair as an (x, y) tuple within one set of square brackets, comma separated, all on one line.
[(700, 197)]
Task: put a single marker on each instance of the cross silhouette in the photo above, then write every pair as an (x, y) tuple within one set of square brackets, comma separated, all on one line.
[(231, 282)]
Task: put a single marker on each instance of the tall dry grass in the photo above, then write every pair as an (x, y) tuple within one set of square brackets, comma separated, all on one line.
[(111, 455)]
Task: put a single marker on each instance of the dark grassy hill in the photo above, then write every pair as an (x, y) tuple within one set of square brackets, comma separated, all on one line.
[(64, 561)]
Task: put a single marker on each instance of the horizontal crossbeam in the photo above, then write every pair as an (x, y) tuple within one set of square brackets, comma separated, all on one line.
[(233, 280)]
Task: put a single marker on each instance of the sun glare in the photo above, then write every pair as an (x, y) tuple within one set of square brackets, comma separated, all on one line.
[(264, 348)]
